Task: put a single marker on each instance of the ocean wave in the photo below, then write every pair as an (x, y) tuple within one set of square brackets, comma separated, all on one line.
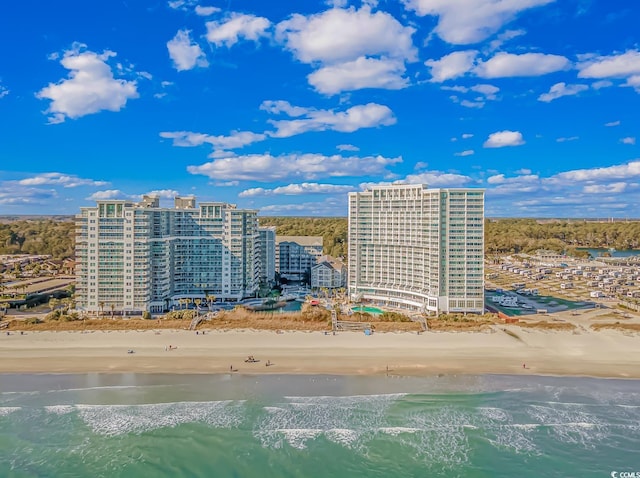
[(4, 411), (113, 420), (570, 424), (60, 409), (85, 389), (346, 398)]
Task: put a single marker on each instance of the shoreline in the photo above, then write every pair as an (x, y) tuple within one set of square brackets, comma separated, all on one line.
[(602, 354)]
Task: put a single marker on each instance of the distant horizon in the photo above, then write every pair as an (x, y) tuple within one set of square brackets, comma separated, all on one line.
[(288, 106)]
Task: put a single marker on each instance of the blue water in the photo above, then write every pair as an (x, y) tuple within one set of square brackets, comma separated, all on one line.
[(595, 253), (133, 425)]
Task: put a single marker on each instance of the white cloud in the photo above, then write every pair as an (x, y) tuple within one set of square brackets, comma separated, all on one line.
[(501, 139), (337, 3), (613, 66), (496, 179), (185, 53), (437, 179), (613, 123), (456, 88), (505, 65), (89, 89), (597, 85), (561, 89), (621, 171), (340, 35), (472, 104), (489, 91), (565, 139), (633, 82), (281, 106), (505, 37), (595, 192), (59, 179), (350, 49), (462, 22), (467, 152), (467, 135), (452, 66), (298, 189), (180, 4), (370, 115), (328, 207), (237, 139), (628, 140), (163, 193), (309, 166), (108, 194), (205, 11), (3, 91), (12, 194), (347, 147), (238, 26), (613, 188), (359, 74)]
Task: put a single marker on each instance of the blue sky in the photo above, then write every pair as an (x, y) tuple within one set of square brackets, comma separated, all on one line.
[(287, 106)]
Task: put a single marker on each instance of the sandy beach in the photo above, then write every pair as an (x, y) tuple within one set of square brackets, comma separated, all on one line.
[(606, 353)]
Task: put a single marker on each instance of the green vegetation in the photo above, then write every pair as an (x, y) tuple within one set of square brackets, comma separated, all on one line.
[(502, 236), (55, 238), (528, 235), (393, 317), (332, 229), (62, 316)]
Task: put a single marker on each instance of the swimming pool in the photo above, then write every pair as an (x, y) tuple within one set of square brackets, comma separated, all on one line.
[(368, 310)]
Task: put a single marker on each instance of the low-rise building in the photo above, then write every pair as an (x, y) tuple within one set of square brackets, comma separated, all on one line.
[(329, 273), (296, 255)]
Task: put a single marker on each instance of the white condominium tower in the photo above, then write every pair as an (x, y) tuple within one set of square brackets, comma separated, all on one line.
[(267, 273), (418, 248), (134, 257)]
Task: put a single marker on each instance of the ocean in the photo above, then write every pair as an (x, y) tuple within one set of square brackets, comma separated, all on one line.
[(138, 425)]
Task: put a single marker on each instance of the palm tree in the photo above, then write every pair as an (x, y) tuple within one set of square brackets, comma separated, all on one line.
[(197, 301), (101, 305), (210, 301), (113, 308), (53, 303), (68, 303)]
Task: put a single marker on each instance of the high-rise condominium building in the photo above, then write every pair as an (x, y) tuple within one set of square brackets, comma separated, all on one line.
[(267, 274), (417, 248), (134, 257)]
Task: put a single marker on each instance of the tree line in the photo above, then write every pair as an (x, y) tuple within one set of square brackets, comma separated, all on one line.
[(332, 229), (502, 236), (38, 236)]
